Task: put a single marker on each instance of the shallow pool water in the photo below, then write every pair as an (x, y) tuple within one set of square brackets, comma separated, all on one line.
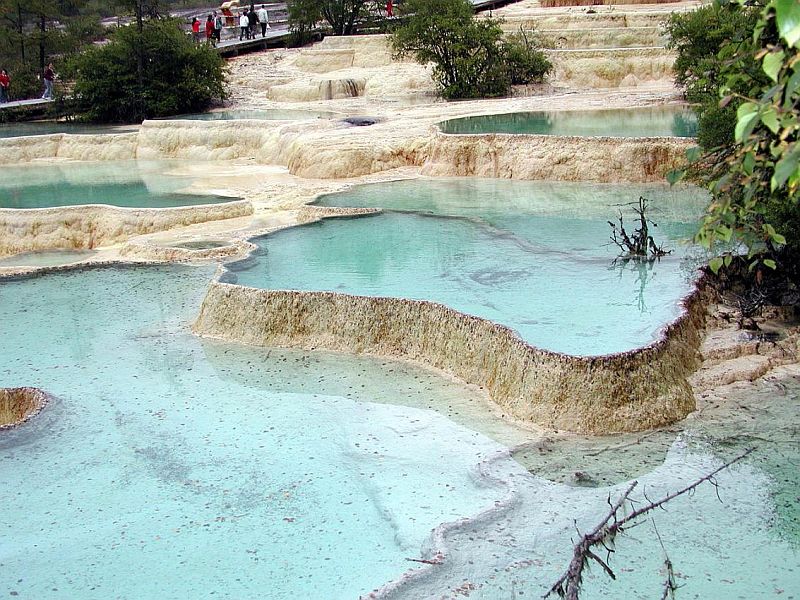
[(276, 114), (216, 470), (135, 184), (175, 467), (8, 130), (634, 122), (49, 258), (533, 256)]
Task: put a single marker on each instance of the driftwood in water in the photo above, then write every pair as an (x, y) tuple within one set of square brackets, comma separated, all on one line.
[(569, 584), (640, 244)]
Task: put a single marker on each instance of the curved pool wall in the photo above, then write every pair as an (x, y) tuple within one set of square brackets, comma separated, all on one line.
[(18, 405), (635, 122), (90, 225), (642, 387), (555, 158), (631, 391)]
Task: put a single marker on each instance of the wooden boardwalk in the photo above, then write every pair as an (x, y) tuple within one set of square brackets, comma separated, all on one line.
[(24, 104)]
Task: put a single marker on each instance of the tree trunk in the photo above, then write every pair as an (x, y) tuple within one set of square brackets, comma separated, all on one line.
[(20, 32), (42, 33)]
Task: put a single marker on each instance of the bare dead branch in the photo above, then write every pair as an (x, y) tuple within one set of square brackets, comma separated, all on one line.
[(568, 585), (640, 244)]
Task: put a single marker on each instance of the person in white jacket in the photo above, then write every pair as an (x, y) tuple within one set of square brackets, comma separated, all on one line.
[(263, 20), (244, 25)]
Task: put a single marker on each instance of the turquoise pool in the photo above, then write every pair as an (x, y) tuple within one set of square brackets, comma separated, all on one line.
[(133, 184), (533, 256), (634, 122), (174, 467), (8, 130)]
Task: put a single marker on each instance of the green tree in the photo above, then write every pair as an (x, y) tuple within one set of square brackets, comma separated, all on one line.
[(470, 58), (342, 16), (755, 182), (153, 72), (697, 37), (34, 32)]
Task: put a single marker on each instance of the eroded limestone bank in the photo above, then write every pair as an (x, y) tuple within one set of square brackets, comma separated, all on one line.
[(18, 405), (119, 146), (600, 159), (619, 67), (216, 140), (612, 37), (90, 226), (631, 391), (356, 152)]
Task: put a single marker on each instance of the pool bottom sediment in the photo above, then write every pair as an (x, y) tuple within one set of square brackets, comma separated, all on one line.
[(222, 470)]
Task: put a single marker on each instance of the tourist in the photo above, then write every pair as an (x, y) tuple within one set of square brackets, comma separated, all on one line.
[(196, 30), (217, 27), (252, 20), (209, 30), (263, 19), (5, 83), (49, 78), (244, 26), (389, 9)]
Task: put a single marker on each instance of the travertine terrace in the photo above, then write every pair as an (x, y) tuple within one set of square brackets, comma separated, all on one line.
[(606, 58)]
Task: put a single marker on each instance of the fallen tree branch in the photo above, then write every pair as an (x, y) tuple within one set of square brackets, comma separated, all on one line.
[(568, 585), (425, 561)]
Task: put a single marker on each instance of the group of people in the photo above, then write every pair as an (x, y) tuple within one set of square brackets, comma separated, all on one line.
[(48, 76), (213, 28), (250, 20)]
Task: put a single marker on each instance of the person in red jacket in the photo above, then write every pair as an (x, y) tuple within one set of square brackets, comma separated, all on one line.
[(196, 29), (5, 83), (389, 8), (210, 30)]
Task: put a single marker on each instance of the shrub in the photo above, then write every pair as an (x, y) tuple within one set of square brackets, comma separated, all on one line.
[(157, 71), (342, 16), (698, 37), (526, 63), (469, 56)]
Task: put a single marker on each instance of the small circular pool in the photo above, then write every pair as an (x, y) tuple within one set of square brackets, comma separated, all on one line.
[(636, 122)]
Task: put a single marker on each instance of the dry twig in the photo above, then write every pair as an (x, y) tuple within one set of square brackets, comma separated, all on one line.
[(568, 585)]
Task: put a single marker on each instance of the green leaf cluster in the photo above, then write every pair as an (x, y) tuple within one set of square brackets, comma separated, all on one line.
[(755, 180), (470, 57), (705, 40), (342, 16), (157, 71)]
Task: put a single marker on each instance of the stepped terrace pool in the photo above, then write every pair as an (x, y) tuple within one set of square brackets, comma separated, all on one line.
[(133, 184), (634, 122), (533, 256), (276, 114), (9, 130), (171, 466)]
